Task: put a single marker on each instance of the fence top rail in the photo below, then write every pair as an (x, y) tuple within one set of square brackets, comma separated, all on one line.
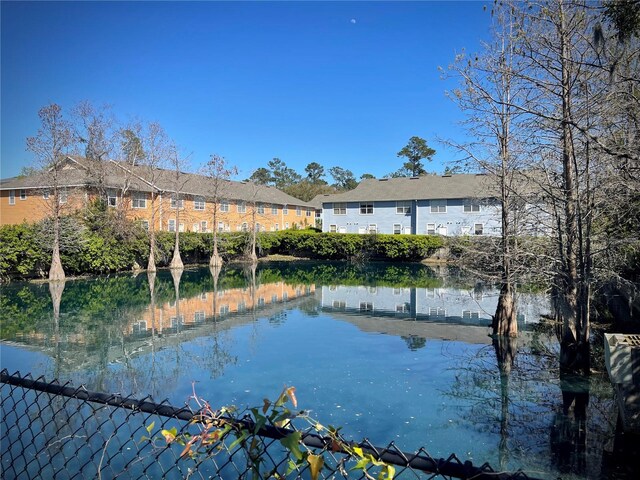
[(420, 460)]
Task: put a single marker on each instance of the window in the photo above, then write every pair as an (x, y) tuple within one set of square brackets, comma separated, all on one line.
[(402, 208), (403, 307), (438, 206), (277, 227), (286, 226), (12, 197), (478, 229), (339, 208), (224, 309), (45, 194), (285, 296), (177, 322), (139, 200), (274, 209), (203, 226), (244, 227), (333, 228), (242, 306), (431, 228), (198, 317), (221, 226), (144, 224), (407, 230), (339, 304), (257, 227), (224, 206), (469, 315), (373, 228), (242, 207), (397, 229), (181, 227), (437, 312), (366, 307), (308, 212), (112, 199), (198, 203), (171, 225), (285, 210), (366, 209), (23, 194), (139, 328), (176, 202), (274, 298), (298, 212), (64, 196), (471, 207), (261, 208)]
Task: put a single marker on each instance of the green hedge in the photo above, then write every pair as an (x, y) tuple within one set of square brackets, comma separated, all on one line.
[(96, 243)]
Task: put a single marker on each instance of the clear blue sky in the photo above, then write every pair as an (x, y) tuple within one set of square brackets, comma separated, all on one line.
[(338, 83)]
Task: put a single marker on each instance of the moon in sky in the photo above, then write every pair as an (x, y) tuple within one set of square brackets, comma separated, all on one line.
[(353, 20)]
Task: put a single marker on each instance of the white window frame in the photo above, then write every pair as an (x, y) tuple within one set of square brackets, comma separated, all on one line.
[(286, 226), (403, 207), (476, 229), (285, 209), (203, 226), (298, 212), (63, 196), (144, 224), (333, 228), (12, 197), (431, 228), (367, 207), (171, 225), (274, 209), (471, 207), (372, 228), (139, 200), (308, 212), (23, 194), (224, 206), (199, 203), (277, 227), (112, 198), (244, 227), (340, 208), (46, 194), (181, 227), (220, 226), (260, 208), (177, 202), (241, 207), (397, 229), (438, 206)]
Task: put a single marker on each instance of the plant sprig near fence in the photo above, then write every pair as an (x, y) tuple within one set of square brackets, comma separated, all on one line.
[(57, 430)]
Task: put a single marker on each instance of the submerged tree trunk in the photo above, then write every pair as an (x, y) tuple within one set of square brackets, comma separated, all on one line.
[(216, 259), (506, 348), (504, 320)]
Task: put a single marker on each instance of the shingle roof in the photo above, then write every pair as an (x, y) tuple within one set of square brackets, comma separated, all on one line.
[(428, 187), (143, 178)]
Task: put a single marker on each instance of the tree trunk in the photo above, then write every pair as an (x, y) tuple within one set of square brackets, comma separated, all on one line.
[(56, 272), (151, 265), (176, 261), (506, 349), (505, 320), (216, 259)]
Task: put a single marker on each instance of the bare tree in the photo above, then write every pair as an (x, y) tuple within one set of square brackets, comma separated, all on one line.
[(488, 94), (155, 144), (177, 199), (50, 146), (218, 172)]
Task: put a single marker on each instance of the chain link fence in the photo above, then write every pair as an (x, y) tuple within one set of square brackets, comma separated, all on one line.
[(53, 430)]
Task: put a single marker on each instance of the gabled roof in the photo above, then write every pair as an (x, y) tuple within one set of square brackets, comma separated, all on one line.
[(428, 187), (79, 171)]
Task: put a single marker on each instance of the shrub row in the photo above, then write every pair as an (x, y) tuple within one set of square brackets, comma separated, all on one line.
[(87, 247)]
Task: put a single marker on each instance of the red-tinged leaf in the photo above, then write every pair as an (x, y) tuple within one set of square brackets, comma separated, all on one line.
[(291, 393), (267, 404), (187, 448), (169, 435)]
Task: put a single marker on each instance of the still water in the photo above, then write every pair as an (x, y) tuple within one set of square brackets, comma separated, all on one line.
[(388, 352)]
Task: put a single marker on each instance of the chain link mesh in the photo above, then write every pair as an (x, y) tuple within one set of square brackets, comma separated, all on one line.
[(52, 430)]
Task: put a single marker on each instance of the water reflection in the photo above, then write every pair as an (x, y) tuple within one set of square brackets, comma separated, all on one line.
[(390, 352)]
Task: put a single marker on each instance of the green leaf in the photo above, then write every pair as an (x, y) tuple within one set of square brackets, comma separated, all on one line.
[(150, 427), (292, 443), (241, 438)]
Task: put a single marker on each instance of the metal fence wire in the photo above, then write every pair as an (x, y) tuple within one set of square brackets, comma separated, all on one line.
[(53, 430)]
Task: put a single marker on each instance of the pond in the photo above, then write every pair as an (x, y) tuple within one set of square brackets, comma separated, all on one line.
[(389, 352)]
